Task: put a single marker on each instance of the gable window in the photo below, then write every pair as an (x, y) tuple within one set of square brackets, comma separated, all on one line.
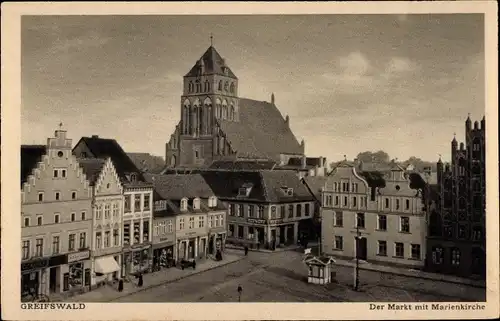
[(339, 219), (382, 223), (127, 208), (399, 249), (40, 196), (137, 202), (26, 250), (39, 220), (407, 207), (360, 220), (58, 196), (307, 209), (184, 202), (382, 248), (56, 218), (73, 195), (404, 224)]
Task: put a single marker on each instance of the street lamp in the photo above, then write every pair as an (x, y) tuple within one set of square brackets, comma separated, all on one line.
[(240, 289)]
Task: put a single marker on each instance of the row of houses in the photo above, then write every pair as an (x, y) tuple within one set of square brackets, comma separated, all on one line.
[(89, 216)]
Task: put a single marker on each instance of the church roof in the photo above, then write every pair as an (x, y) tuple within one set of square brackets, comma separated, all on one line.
[(261, 132), (242, 164), (213, 64), (30, 156)]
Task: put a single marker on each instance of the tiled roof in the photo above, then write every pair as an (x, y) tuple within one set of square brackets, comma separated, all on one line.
[(261, 132), (266, 186), (104, 148), (315, 184), (30, 156), (175, 187), (242, 165), (147, 162), (213, 64), (92, 167)]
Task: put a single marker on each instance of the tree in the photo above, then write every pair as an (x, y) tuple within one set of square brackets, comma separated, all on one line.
[(374, 157)]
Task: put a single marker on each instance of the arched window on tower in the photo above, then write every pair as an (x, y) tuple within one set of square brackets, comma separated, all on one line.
[(190, 87), (207, 86), (186, 117), (224, 109), (218, 110), (207, 106), (196, 118), (198, 86), (231, 112), (226, 86), (232, 88), (220, 85)]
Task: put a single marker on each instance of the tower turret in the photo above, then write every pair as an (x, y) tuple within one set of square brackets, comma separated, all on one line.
[(468, 124)]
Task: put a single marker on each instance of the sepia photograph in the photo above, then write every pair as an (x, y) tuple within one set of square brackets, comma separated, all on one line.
[(184, 157)]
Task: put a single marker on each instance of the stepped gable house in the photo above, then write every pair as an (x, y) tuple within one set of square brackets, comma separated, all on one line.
[(217, 124), (138, 202), (266, 208), (457, 229)]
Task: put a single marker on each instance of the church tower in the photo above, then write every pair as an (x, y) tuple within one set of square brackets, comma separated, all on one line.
[(210, 92)]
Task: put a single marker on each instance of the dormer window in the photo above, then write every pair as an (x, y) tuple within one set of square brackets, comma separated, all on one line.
[(245, 190), (184, 204), (133, 178), (212, 201), (196, 204), (287, 190)]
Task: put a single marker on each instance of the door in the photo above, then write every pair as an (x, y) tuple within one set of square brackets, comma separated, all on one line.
[(211, 245), (282, 235), (53, 280), (289, 234), (201, 250), (361, 248)]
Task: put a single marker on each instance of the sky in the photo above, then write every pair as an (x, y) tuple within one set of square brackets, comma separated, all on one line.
[(349, 83)]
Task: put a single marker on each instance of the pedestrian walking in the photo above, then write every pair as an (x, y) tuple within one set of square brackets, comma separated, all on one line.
[(120, 285), (246, 250), (140, 280)]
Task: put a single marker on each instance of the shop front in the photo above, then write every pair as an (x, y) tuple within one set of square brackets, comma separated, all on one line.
[(216, 241), (137, 260), (282, 233), (31, 277), (164, 254), (192, 246), (107, 268), (77, 271)]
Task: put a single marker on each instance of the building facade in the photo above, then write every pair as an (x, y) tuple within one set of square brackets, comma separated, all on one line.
[(107, 219), (217, 124), (457, 234), (194, 218), (137, 254), (267, 209), (56, 219), (386, 226)]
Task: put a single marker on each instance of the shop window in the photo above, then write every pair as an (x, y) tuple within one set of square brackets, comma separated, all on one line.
[(126, 234), (455, 257), (75, 275), (66, 282), (240, 231)]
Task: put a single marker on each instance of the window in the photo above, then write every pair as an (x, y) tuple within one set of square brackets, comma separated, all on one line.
[(221, 220), (146, 202), (26, 250), (98, 212), (354, 201), (55, 245), (336, 200), (339, 243), (404, 226), (107, 211), (191, 222), (290, 211), (329, 200), (84, 216), (170, 226), (407, 207), (299, 210), (216, 221), (382, 223), (127, 208), (137, 202), (58, 196), (415, 251), (181, 223), (260, 211), (83, 240), (339, 219), (71, 242), (107, 236), (116, 237), (39, 247), (437, 255), (56, 172), (241, 210), (211, 221), (98, 240), (40, 196), (397, 204), (56, 218), (184, 204), (137, 232), (455, 257), (360, 220), (345, 201), (273, 212), (63, 173), (382, 248), (39, 220), (462, 232), (386, 202), (126, 234), (201, 222), (240, 231), (307, 209), (282, 211), (231, 230), (345, 187), (26, 221), (232, 209), (399, 250), (476, 234), (355, 187), (335, 187), (73, 195)]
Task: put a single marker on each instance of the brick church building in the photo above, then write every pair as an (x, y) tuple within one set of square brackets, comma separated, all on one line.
[(217, 125), (456, 238)]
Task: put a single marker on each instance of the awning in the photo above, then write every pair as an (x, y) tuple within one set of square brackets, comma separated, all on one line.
[(106, 265)]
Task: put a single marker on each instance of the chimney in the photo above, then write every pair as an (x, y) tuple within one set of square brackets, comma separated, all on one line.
[(287, 120), (304, 162), (272, 98), (95, 136)]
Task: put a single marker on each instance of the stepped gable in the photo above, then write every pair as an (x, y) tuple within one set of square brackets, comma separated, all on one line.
[(30, 156), (92, 168)]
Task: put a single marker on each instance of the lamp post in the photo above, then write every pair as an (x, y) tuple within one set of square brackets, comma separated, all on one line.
[(358, 237)]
